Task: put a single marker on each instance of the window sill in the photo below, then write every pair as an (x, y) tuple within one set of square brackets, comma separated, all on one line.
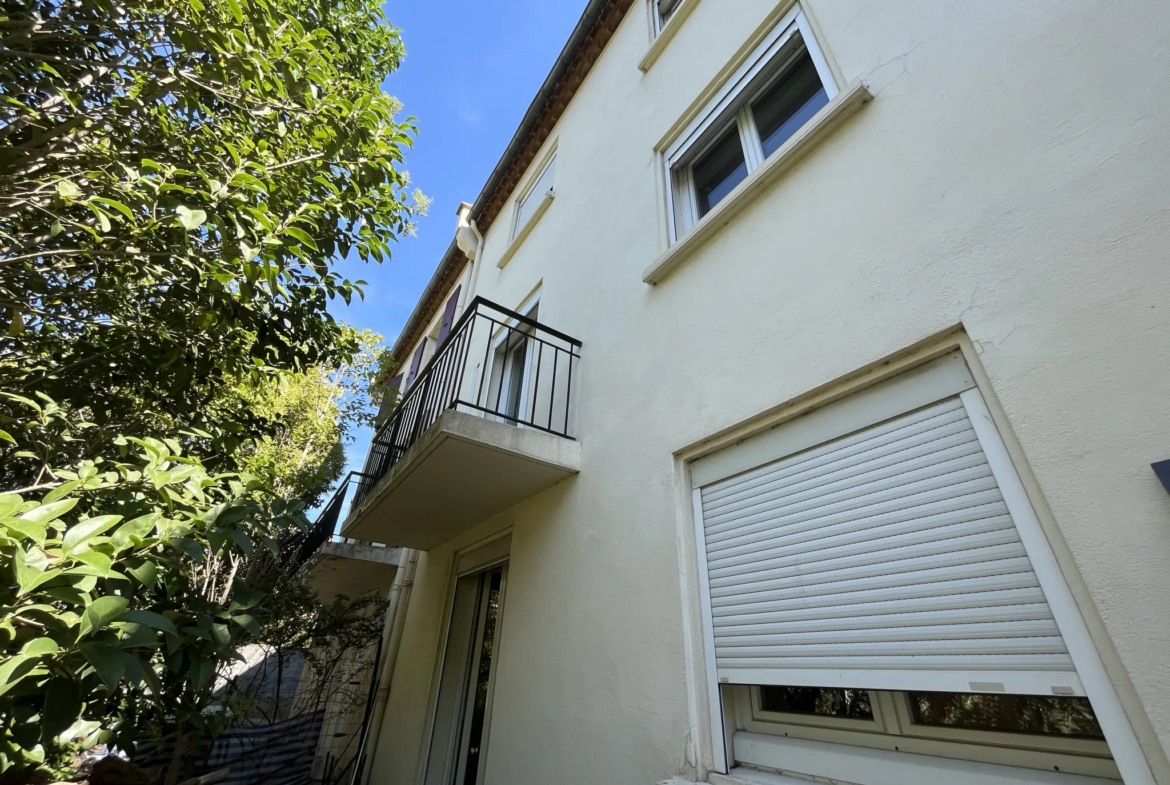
[(522, 235), (841, 107), (882, 767), (666, 34)]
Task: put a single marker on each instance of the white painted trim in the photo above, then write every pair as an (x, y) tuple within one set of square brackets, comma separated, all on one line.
[(816, 130), (1123, 742), (715, 702), (930, 382), (662, 35), (488, 555), (868, 766), (739, 81), (525, 230)]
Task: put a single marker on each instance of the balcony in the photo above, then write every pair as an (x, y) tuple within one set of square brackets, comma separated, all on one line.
[(485, 425), (336, 565)]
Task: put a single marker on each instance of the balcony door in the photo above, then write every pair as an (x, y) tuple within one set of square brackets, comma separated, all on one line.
[(511, 379), (463, 714)]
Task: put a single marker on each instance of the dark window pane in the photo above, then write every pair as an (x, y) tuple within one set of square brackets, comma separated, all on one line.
[(1008, 713), (849, 704), (719, 171), (789, 104)]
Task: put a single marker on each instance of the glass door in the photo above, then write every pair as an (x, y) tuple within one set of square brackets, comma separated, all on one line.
[(459, 741)]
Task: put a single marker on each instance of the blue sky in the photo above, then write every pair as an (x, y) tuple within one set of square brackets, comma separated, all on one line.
[(471, 71)]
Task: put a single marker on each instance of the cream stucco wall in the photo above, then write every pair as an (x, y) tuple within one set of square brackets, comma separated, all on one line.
[(1012, 175)]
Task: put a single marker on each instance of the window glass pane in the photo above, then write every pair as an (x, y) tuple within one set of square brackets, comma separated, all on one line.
[(1008, 713), (719, 171), (534, 197), (789, 104), (848, 704), (666, 10)]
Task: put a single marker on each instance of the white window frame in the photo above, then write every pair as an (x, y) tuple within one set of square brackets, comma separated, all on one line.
[(658, 23), (732, 104), (530, 304), (530, 193), (893, 728)]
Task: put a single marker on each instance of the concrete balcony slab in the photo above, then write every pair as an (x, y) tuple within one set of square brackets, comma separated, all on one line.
[(463, 470)]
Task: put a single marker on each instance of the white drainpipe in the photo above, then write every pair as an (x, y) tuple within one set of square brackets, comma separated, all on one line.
[(395, 621)]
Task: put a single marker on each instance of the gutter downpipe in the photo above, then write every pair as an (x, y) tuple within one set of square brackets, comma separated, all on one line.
[(476, 262), (392, 643)]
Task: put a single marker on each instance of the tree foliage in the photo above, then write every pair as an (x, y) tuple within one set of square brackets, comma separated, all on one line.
[(175, 176), (315, 414), (129, 583)]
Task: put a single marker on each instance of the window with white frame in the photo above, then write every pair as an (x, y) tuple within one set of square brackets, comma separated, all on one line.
[(1053, 733), (873, 576), (663, 11), (781, 86), (528, 204)]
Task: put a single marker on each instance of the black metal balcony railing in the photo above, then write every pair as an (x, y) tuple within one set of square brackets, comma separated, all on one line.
[(299, 548), (495, 362)]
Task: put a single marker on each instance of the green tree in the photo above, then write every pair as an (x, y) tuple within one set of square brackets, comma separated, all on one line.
[(315, 414), (130, 581), (175, 177)]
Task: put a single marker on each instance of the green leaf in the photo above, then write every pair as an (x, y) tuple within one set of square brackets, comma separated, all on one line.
[(9, 504), (39, 647), (87, 530), (7, 437), (49, 512), (301, 235), (15, 669), (100, 612), (202, 670), (61, 709), (190, 547), (64, 489), (27, 530), (146, 573), (248, 623), (151, 619), (99, 561), (130, 533), (67, 190), (190, 219), (123, 209), (108, 660)]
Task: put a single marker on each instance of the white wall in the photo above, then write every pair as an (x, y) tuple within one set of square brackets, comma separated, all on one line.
[(1012, 175)]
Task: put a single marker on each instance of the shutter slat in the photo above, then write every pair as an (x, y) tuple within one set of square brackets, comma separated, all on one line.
[(931, 618), (947, 432), (904, 502), (803, 598), (910, 533), (927, 648), (827, 583), (877, 435), (1017, 628), (964, 663), (888, 549), (857, 492)]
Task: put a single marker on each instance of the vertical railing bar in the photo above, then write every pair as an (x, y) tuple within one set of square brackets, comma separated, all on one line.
[(466, 353), (503, 370), (552, 396), (483, 374), (536, 383), (569, 391)]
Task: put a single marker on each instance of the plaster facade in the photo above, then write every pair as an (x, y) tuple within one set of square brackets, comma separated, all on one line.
[(1007, 190)]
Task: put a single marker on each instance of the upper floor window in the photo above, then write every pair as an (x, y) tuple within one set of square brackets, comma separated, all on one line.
[(781, 86), (530, 202), (663, 11)]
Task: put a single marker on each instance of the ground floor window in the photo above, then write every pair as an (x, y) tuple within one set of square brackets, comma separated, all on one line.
[(1053, 733)]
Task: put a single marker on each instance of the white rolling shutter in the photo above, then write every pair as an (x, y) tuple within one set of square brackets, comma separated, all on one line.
[(885, 559)]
